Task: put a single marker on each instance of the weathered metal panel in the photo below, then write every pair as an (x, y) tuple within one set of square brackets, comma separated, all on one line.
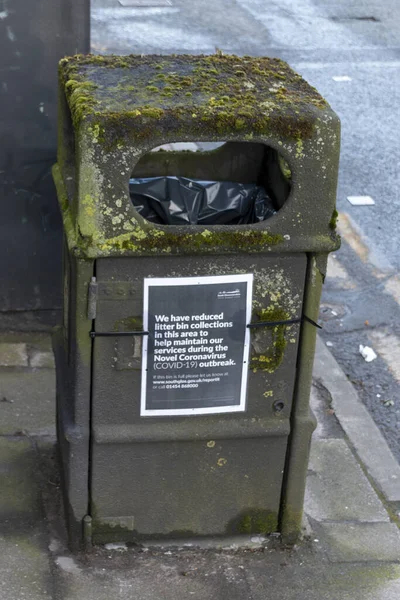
[(34, 35)]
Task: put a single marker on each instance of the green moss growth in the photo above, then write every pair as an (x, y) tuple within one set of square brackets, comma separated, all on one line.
[(284, 166), (333, 221), (290, 524), (159, 241), (273, 356), (129, 324), (151, 112), (80, 98), (262, 95), (255, 520), (69, 228), (98, 132), (128, 101), (106, 533)]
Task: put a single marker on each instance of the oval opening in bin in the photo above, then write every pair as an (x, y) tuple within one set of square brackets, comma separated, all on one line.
[(209, 183)]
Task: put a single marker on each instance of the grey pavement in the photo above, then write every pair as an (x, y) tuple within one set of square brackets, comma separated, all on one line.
[(350, 547)]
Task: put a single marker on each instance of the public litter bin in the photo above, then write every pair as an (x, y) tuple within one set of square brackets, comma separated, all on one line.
[(185, 357)]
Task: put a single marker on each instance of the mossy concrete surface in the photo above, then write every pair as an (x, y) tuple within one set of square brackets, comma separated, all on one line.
[(114, 110), (219, 92)]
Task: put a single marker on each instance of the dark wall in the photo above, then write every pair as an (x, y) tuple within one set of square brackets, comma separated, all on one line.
[(34, 35)]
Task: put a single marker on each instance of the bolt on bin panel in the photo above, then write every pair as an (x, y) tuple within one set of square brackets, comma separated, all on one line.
[(239, 457)]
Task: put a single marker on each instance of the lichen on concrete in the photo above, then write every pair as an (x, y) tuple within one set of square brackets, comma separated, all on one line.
[(254, 520), (218, 93), (272, 357), (334, 219), (274, 300), (122, 106), (131, 323)]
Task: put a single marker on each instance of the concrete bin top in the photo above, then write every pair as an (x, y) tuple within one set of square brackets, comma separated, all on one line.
[(115, 109), (213, 95)]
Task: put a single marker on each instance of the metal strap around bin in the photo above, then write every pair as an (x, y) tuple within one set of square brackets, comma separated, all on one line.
[(94, 334), (288, 322)]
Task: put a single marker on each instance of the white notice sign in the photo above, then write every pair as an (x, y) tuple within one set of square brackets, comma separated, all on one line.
[(195, 356)]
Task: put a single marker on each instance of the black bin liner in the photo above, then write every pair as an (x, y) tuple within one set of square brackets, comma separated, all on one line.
[(182, 201)]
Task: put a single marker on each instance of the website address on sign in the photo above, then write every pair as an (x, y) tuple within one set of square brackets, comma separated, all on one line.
[(189, 382)]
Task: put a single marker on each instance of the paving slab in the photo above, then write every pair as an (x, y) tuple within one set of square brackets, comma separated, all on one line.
[(27, 401), (359, 542), (33, 339), (41, 360), (168, 575), (19, 490), (24, 565), (358, 425), (337, 489), (327, 424), (13, 355), (22, 349), (300, 574), (318, 580)]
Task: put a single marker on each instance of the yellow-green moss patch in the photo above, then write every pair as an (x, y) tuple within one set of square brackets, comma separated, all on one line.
[(226, 92), (333, 221), (255, 520), (271, 358)]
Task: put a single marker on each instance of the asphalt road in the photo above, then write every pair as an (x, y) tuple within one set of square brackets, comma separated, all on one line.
[(357, 41)]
